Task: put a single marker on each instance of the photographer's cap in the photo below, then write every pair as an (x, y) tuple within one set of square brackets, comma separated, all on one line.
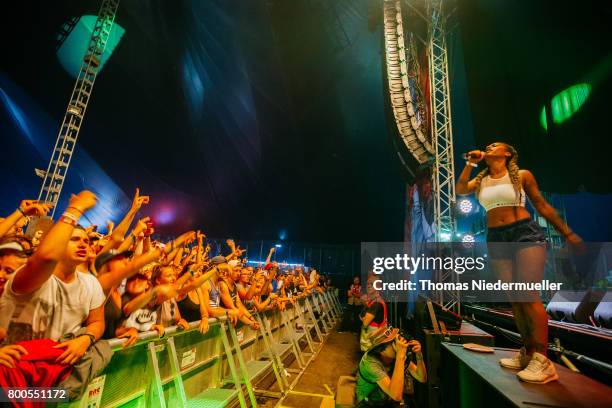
[(383, 335)]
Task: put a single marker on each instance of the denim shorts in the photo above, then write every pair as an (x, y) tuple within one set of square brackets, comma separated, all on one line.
[(504, 241)]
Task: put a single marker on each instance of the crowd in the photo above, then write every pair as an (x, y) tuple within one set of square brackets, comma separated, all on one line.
[(391, 359), (67, 288)]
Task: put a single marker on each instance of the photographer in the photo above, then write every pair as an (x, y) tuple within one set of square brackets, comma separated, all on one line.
[(375, 388)]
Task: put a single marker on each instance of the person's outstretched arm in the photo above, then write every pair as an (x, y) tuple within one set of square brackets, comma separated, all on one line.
[(118, 233), (27, 208), (112, 279), (52, 248)]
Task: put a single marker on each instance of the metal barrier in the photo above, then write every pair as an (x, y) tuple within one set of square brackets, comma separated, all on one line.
[(188, 369)]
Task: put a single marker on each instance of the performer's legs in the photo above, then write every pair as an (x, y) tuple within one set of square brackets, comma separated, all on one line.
[(503, 270), (530, 264)]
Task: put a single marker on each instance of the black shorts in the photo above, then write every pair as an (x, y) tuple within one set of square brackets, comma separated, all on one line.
[(504, 241)]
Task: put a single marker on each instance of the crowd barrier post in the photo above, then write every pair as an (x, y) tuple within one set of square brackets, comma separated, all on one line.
[(293, 338), (243, 367), (232, 365), (323, 312), (154, 393), (302, 321), (176, 372), (331, 308), (278, 348), (313, 319), (277, 364), (334, 298)]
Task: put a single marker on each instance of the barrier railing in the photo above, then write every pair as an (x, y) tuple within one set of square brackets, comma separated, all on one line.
[(188, 368)]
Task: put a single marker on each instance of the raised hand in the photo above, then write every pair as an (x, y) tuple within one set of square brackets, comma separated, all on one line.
[(142, 225), (83, 201), (139, 200), (34, 208)]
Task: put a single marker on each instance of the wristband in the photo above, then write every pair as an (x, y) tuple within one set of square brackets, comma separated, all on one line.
[(76, 209), (70, 216), (469, 163), (70, 220)]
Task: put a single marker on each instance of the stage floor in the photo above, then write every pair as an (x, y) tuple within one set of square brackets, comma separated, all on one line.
[(572, 390)]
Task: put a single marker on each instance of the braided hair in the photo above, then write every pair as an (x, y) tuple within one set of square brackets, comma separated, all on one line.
[(513, 171)]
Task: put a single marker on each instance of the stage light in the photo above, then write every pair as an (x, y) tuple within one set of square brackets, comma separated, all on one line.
[(74, 47), (468, 238), (565, 104), (445, 236), (465, 206), (278, 245)]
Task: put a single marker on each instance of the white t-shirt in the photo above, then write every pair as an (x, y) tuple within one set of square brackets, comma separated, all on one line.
[(53, 310)]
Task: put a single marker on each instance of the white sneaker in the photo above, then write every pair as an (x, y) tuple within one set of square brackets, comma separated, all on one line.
[(517, 362), (540, 370)]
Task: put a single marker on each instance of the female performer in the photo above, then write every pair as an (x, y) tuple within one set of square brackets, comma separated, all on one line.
[(501, 189)]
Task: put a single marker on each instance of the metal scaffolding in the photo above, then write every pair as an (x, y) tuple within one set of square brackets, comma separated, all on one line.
[(441, 125), (53, 178), (442, 136)]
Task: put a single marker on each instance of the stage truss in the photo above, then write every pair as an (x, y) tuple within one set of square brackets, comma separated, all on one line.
[(57, 170), (434, 145)]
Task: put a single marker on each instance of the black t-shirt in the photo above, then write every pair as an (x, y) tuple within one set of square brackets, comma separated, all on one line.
[(113, 316), (377, 310)]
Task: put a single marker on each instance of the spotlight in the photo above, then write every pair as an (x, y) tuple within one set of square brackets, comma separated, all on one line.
[(468, 238), (465, 206), (278, 245), (445, 236)]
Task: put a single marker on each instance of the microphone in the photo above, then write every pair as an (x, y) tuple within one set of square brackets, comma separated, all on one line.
[(467, 156)]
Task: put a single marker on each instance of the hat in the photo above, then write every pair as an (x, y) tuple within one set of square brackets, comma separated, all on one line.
[(234, 263), (382, 335), (270, 265), (218, 260), (108, 256), (13, 246)]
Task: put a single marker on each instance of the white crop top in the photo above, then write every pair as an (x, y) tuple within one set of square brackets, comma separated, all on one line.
[(499, 193)]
